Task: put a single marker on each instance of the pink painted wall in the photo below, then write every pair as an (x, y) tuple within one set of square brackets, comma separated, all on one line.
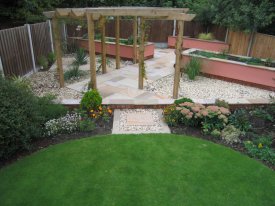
[(244, 73), (126, 51), (189, 43)]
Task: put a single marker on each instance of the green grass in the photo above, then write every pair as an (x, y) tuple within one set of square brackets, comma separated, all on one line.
[(138, 170)]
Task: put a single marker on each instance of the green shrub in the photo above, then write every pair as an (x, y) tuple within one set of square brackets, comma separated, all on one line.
[(22, 82), (172, 116), (49, 109), (206, 36), (231, 134), (20, 116), (265, 140), (214, 118), (86, 125), (221, 103), (193, 68), (240, 119), (80, 57), (91, 100), (260, 151), (51, 58), (182, 100), (193, 114), (73, 73), (43, 62)]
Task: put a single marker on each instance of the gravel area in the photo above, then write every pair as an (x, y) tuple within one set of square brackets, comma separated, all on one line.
[(207, 88), (132, 120), (43, 83), (46, 82)]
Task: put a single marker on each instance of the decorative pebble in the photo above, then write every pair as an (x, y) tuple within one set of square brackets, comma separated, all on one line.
[(207, 88)]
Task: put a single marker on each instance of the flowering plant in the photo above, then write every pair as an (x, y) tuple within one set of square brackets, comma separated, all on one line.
[(211, 118), (63, 125), (101, 112)]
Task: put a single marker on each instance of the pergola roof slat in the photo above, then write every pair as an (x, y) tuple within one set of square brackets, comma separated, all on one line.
[(148, 12)]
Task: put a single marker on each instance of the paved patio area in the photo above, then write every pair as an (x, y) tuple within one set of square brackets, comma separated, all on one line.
[(121, 86)]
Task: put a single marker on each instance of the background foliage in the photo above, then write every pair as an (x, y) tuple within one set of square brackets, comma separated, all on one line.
[(246, 15)]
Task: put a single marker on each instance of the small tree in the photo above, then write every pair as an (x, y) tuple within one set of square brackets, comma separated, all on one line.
[(245, 15)]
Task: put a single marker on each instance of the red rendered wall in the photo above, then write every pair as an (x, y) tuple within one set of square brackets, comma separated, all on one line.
[(189, 43), (259, 77)]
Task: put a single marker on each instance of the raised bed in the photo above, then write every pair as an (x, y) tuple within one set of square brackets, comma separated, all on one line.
[(189, 43), (229, 70), (126, 51)]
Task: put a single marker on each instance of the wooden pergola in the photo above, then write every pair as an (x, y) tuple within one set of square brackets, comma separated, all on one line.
[(95, 14)]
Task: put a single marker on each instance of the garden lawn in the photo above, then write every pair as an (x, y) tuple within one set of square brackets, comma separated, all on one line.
[(130, 170)]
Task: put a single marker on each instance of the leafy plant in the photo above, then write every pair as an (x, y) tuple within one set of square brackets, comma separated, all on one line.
[(99, 61), (221, 103), (265, 140), (49, 109), (51, 58), (91, 100), (206, 36), (182, 100), (231, 134), (22, 117), (171, 115), (193, 68), (86, 125), (240, 119), (260, 151), (80, 57), (73, 73), (22, 82), (43, 62), (214, 118), (262, 114)]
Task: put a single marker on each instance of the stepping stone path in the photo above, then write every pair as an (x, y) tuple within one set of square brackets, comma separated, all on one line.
[(138, 121)]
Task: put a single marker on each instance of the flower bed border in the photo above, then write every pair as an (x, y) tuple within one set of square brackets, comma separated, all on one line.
[(232, 71), (189, 43), (126, 51)]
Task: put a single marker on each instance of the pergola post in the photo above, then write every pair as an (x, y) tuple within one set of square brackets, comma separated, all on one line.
[(117, 43), (135, 39), (103, 46), (141, 53), (178, 59), (91, 34), (58, 52)]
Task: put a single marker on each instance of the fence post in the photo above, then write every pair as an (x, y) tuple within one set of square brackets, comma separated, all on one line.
[(31, 46), (51, 34), (174, 28), (1, 68)]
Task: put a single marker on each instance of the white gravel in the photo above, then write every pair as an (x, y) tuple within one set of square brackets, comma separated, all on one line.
[(154, 125), (46, 82), (207, 88)]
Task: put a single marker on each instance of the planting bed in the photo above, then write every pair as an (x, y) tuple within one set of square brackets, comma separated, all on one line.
[(189, 43), (218, 66), (126, 51)]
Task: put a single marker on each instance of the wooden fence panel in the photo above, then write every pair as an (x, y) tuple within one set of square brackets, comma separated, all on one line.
[(238, 42), (263, 46), (41, 40), (15, 50)]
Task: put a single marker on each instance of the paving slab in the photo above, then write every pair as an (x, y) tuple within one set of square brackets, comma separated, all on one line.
[(139, 121)]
